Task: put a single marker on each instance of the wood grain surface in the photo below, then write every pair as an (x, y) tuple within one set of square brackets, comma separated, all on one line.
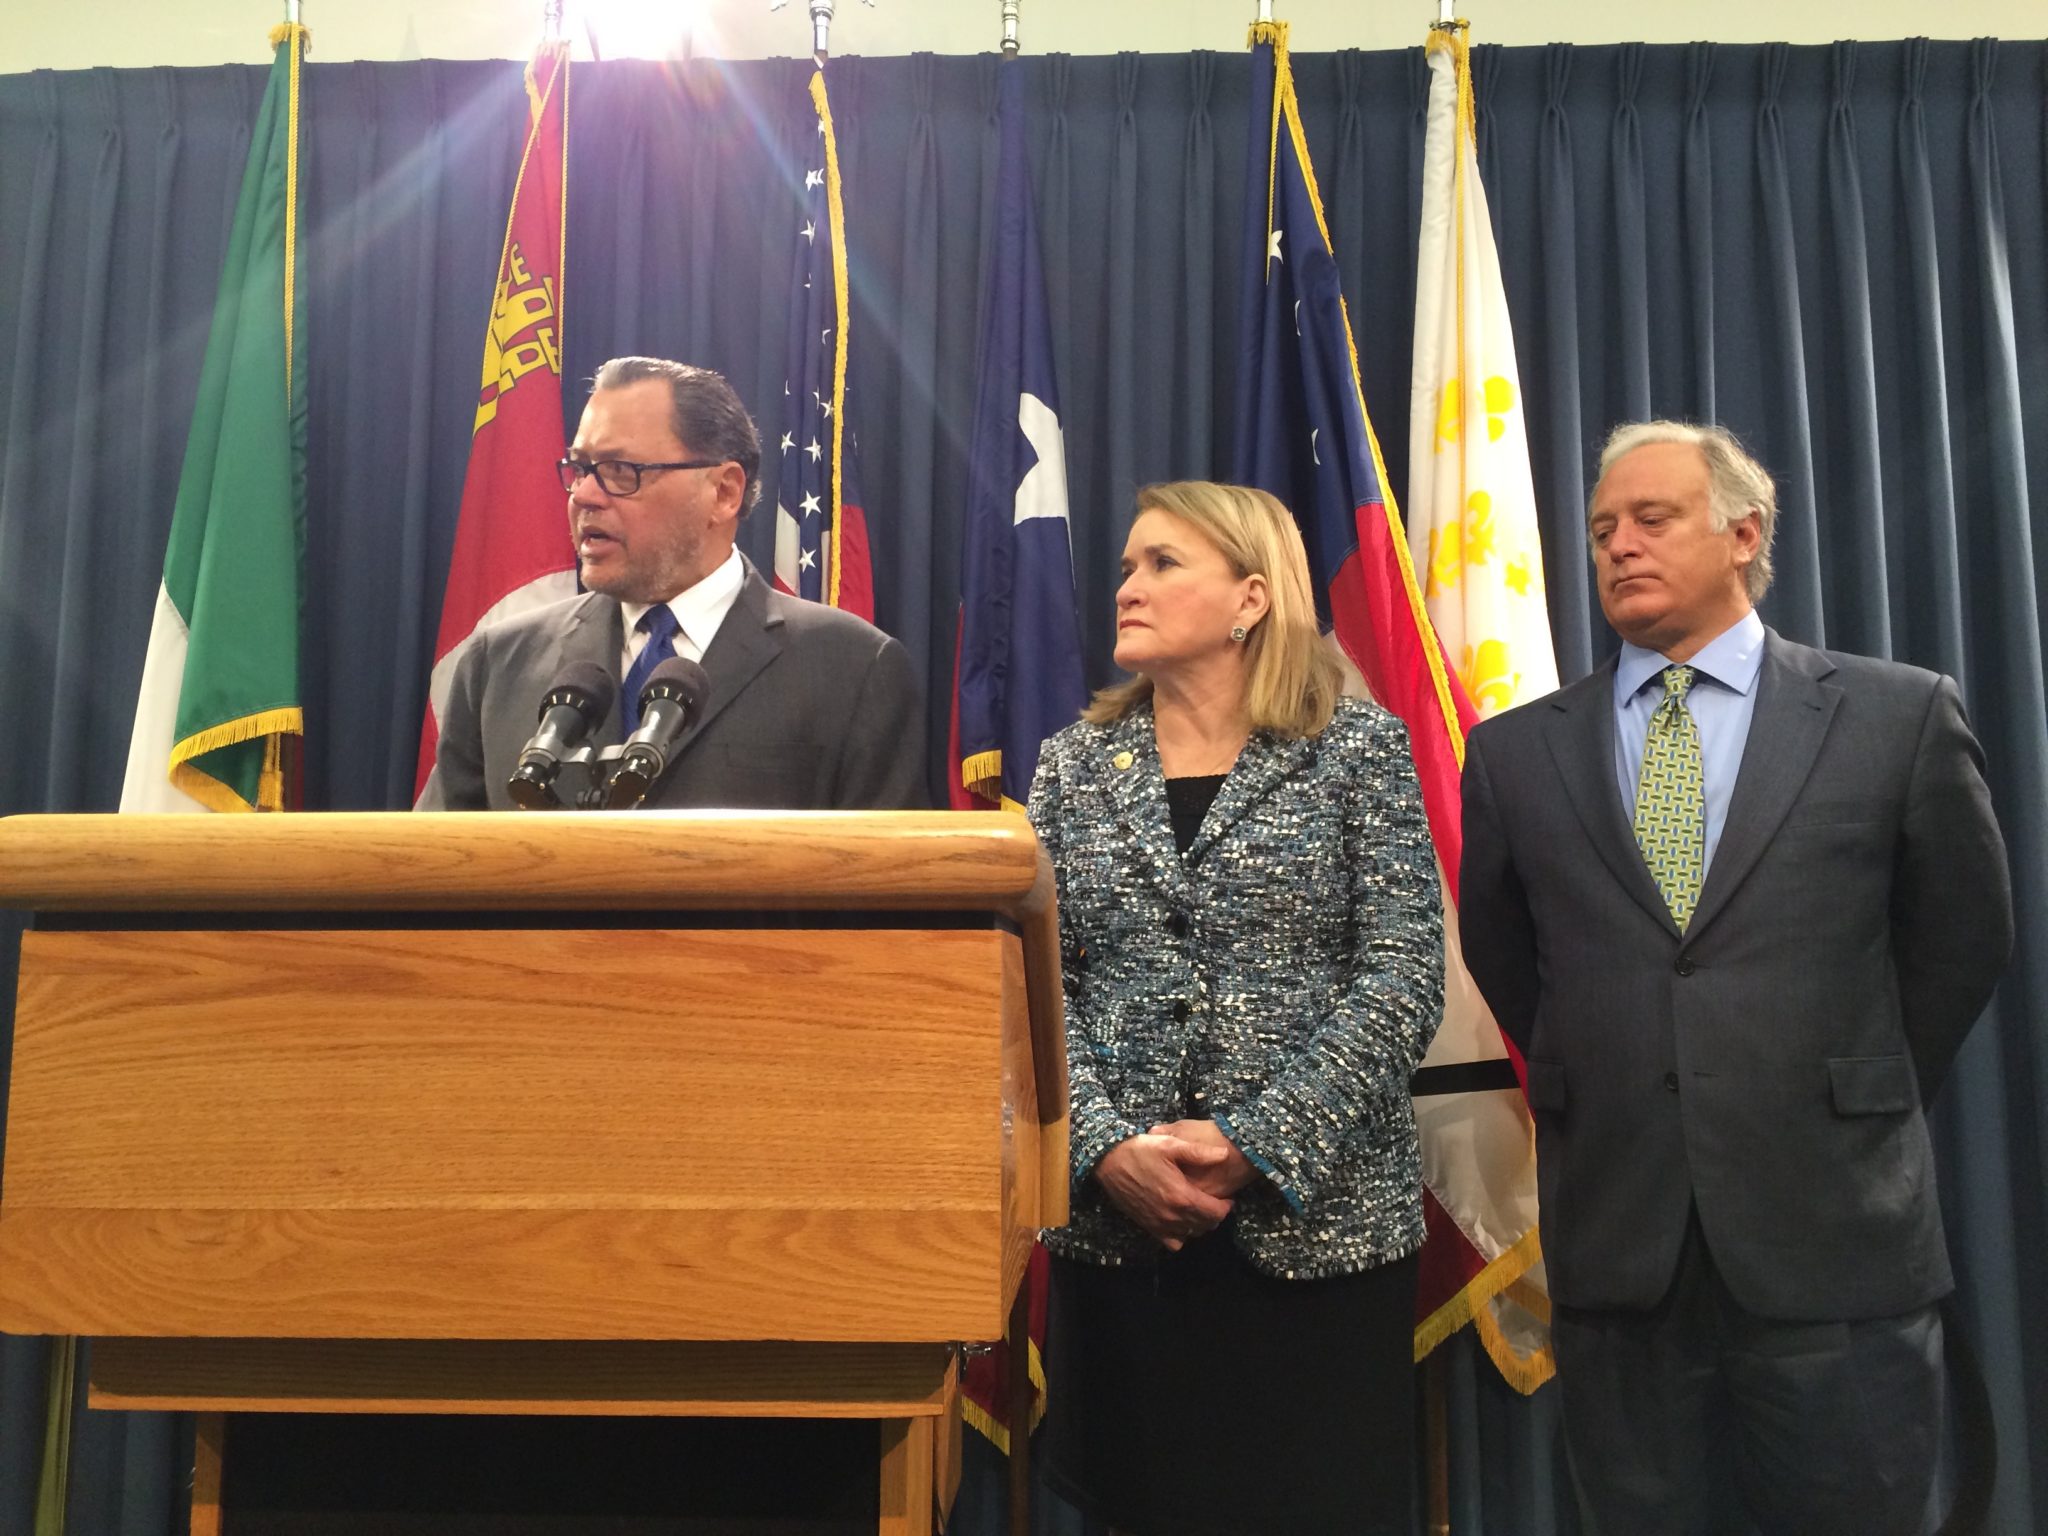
[(710, 1134), (693, 1380), (614, 860)]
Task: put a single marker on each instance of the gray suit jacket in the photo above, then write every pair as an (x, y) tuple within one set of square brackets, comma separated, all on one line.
[(1771, 1062), (809, 709)]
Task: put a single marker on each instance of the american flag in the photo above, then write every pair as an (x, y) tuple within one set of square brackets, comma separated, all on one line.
[(821, 535)]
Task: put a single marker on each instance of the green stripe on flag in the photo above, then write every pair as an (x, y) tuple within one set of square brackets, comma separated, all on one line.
[(233, 562)]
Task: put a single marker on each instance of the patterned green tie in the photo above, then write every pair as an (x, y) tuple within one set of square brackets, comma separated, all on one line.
[(1671, 800)]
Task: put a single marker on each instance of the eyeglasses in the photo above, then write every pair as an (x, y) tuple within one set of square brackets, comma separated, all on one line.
[(621, 477)]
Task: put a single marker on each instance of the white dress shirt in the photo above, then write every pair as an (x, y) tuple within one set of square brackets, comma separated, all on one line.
[(699, 610)]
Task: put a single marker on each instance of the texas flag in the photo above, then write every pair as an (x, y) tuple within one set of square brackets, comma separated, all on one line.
[(1019, 673), (1017, 677)]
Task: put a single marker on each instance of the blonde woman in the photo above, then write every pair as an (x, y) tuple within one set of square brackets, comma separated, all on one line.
[(1252, 938)]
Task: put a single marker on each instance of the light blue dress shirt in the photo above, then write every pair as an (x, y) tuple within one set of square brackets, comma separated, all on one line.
[(1722, 701)]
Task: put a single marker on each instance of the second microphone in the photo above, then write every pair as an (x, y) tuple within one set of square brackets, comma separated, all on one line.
[(671, 701)]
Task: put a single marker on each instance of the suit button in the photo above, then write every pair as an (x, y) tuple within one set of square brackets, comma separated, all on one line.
[(1685, 966), (1181, 1011), (1671, 1081), (1177, 925)]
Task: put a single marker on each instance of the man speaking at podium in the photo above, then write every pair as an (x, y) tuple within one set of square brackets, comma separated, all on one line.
[(807, 708)]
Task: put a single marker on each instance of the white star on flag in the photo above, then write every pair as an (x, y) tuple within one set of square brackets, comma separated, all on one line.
[(810, 505), (788, 438), (809, 231), (1273, 246), (813, 179), (813, 449), (807, 559)]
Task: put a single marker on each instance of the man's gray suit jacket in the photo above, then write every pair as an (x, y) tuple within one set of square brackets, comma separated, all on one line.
[(1771, 1062), (809, 708)]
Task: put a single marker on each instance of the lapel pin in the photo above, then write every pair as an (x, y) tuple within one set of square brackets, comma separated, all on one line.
[(1122, 761)]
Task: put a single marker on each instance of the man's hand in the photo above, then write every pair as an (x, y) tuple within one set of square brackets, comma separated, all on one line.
[(1153, 1180), (1222, 1178)]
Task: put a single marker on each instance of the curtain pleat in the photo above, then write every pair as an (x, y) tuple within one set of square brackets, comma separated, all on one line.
[(1855, 507), (1194, 436), (1629, 346), (31, 451), (915, 423), (1841, 252), (1128, 251), (1781, 349), (71, 523), (1558, 447), (1925, 516), (1696, 163)]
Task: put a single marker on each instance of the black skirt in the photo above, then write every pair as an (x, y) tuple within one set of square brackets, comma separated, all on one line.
[(1191, 1395)]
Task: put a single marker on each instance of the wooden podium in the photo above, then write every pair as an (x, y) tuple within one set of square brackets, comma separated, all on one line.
[(667, 1113)]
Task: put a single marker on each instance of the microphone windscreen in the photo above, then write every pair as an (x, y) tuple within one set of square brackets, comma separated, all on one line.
[(677, 679), (585, 687)]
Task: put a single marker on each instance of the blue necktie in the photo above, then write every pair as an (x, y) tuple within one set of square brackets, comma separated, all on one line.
[(658, 624)]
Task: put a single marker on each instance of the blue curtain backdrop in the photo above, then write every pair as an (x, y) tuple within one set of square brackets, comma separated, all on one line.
[(1840, 252)]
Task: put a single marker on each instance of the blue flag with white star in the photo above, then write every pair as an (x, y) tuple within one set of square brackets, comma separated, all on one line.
[(1018, 677)]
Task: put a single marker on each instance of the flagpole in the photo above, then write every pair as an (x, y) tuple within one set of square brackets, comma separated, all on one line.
[(551, 21), (1436, 1393), (1010, 28)]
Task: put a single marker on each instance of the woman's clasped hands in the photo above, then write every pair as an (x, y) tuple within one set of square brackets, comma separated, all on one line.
[(1177, 1181)]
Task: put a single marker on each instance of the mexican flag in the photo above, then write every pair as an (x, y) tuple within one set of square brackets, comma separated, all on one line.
[(219, 703)]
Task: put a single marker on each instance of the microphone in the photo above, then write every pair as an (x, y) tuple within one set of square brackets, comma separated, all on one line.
[(671, 700), (578, 702)]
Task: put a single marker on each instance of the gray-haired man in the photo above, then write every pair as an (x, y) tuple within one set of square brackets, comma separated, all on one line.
[(1738, 901)]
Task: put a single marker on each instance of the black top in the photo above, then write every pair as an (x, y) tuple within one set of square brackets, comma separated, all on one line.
[(1188, 801)]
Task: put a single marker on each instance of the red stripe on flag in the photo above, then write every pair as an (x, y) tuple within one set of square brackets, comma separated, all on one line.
[(856, 577), (958, 796), (513, 526), (985, 1383), (1376, 625), (1449, 1262)]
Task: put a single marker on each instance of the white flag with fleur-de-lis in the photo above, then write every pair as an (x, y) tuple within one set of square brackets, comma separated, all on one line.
[(1472, 533), (1471, 503)]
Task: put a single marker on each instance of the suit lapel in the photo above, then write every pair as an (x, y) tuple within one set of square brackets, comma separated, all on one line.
[(748, 639), (596, 632), (1263, 763), (1137, 791), (1794, 707), (1581, 737)]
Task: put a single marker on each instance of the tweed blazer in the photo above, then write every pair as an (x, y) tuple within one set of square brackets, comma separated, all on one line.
[(1283, 978)]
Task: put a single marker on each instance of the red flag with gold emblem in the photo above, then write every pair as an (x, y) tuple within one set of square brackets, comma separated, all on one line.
[(512, 549)]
